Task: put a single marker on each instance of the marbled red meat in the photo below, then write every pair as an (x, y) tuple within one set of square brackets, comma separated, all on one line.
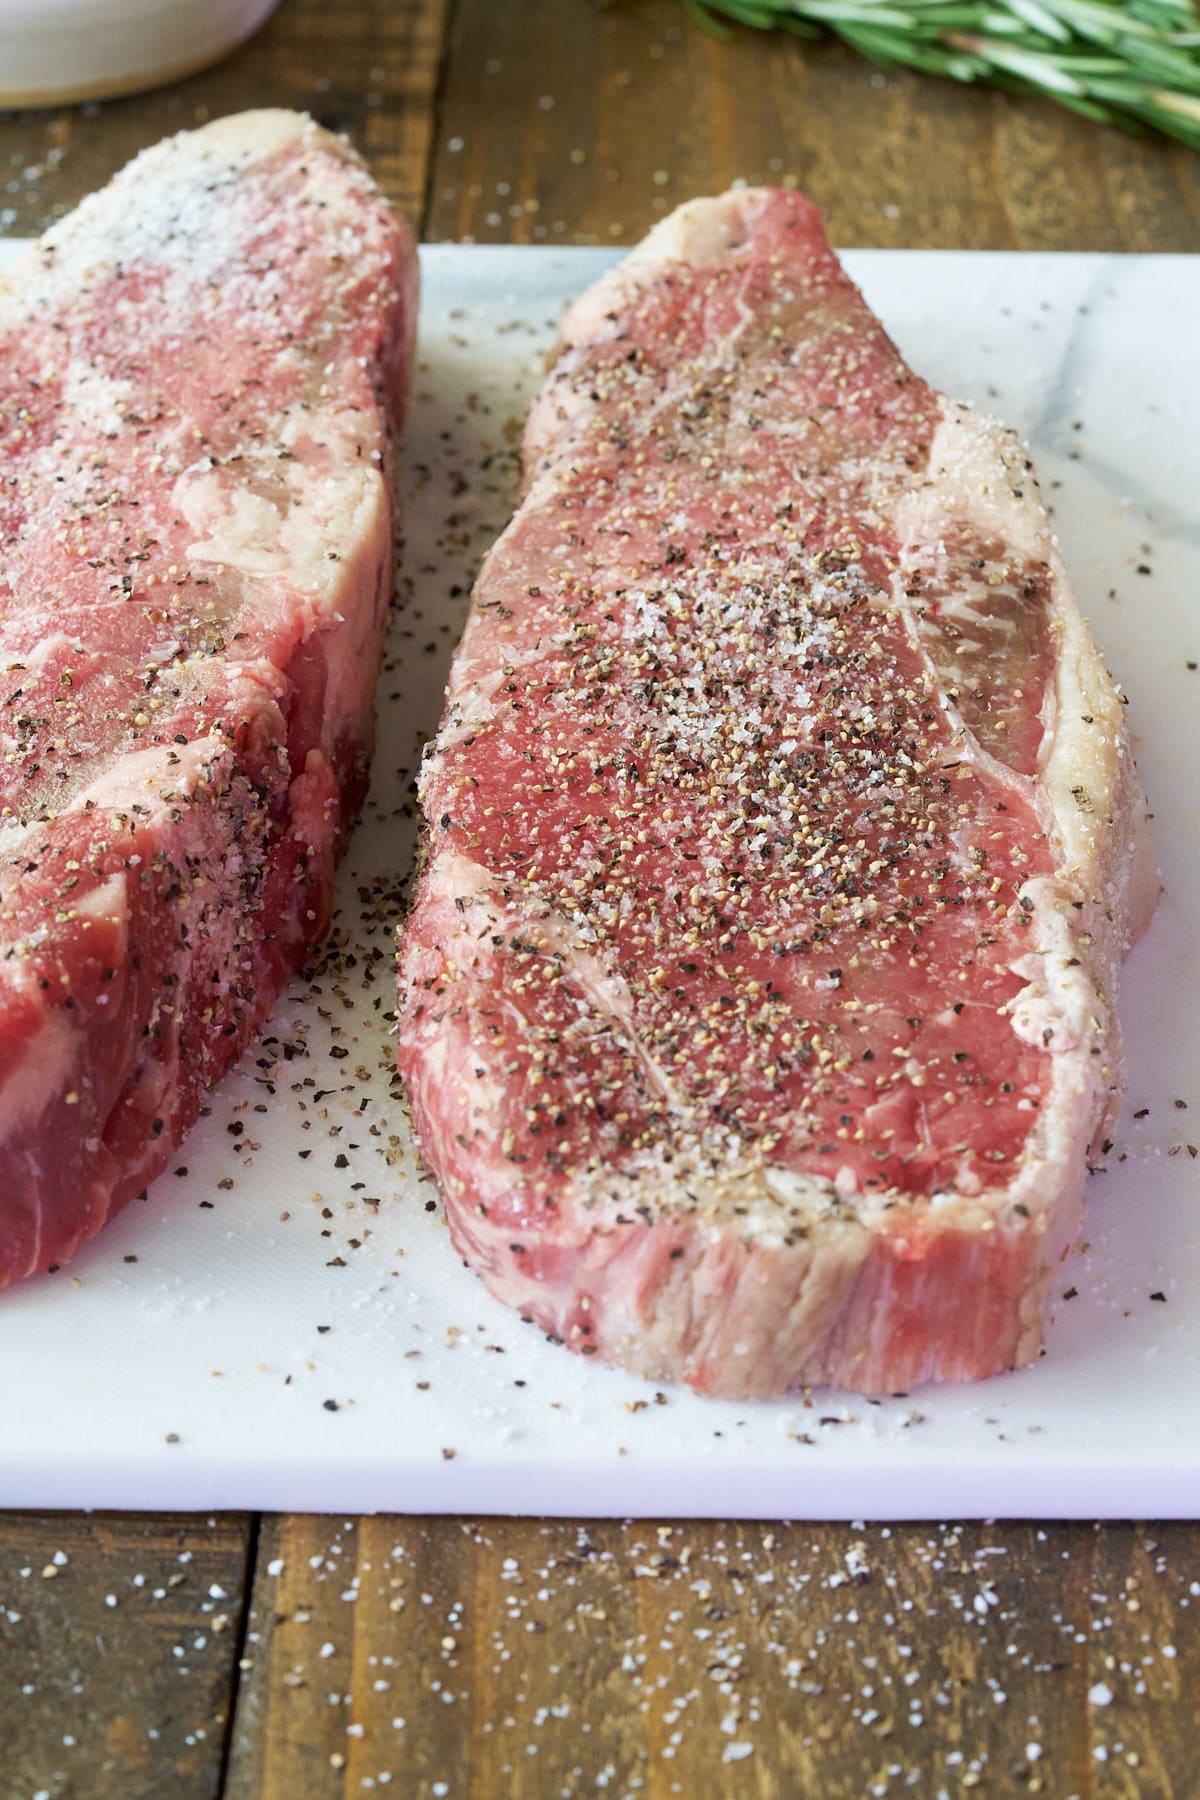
[(198, 374), (754, 1009)]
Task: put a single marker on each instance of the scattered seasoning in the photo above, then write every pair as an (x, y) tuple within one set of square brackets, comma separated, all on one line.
[(713, 1597), (335, 979)]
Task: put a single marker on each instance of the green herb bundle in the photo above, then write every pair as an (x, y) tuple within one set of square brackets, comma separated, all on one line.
[(1125, 62)]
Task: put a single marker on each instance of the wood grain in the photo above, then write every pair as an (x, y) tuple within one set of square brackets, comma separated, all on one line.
[(119, 1640), (369, 68), (522, 1658), (567, 123)]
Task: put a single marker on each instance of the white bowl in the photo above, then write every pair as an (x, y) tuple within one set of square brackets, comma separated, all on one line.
[(53, 51)]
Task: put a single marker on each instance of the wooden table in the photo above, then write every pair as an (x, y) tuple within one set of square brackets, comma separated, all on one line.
[(291, 1657)]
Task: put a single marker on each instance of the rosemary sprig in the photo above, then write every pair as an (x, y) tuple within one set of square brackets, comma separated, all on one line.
[(1124, 62)]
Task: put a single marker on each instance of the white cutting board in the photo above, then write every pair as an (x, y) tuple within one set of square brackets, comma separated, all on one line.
[(189, 1356)]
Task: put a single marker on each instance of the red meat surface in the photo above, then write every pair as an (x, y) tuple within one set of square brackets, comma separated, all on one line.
[(739, 848), (198, 375)]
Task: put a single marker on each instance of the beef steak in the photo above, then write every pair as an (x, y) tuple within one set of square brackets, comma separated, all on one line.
[(757, 999), (198, 373)]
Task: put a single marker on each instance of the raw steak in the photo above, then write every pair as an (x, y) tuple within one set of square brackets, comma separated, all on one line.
[(757, 1000), (197, 373)]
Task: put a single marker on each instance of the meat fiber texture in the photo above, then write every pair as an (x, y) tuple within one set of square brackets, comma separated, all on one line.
[(199, 373), (784, 844)]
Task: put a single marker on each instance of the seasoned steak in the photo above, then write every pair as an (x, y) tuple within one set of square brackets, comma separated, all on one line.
[(198, 373), (757, 1000)]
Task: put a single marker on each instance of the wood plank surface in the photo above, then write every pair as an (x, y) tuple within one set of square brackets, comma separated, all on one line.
[(525, 1659), (563, 123), (445, 1659), (119, 1640)]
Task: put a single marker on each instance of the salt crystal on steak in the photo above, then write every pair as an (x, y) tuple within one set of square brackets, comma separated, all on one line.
[(785, 841)]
